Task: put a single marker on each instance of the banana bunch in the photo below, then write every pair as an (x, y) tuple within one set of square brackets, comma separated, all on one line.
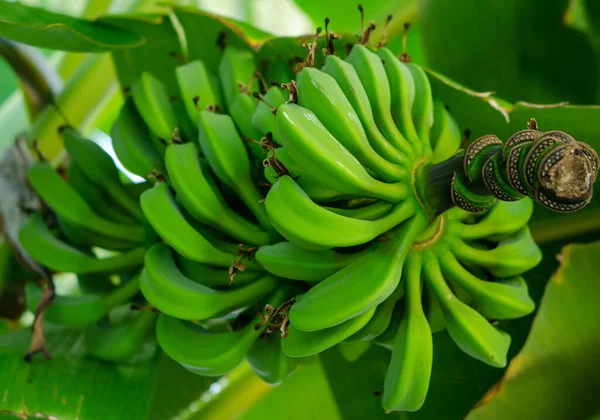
[(329, 207), (91, 224)]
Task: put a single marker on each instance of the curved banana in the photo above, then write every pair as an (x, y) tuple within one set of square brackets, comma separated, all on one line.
[(314, 148), (204, 202), (503, 219), (470, 331), (197, 88), (513, 255), (422, 107), (227, 156), (77, 311), (378, 323), (346, 294), (372, 75), (373, 211), (300, 343), (445, 133), (164, 215), (308, 225), (320, 93), (51, 252), (152, 102), (169, 290), (353, 89), (501, 299), (264, 115), (69, 205), (290, 261), (242, 110), (133, 143), (409, 371), (268, 361), (215, 277), (237, 72)]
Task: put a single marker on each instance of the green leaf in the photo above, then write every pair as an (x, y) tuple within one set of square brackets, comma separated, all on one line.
[(72, 384), (520, 49), (482, 113), (41, 28), (556, 374)]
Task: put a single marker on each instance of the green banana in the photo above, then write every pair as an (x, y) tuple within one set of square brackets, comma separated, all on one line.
[(278, 70), (387, 339), (100, 169), (221, 351), (501, 299), (227, 157), (433, 310), (300, 343), (470, 331), (169, 290), (445, 133), (373, 211), (164, 215), (346, 294), (241, 111), (197, 88), (215, 277), (503, 219), (264, 118), (319, 153), (237, 72), (69, 205), (96, 198), (355, 93), (320, 93), (422, 107), (290, 261), (268, 360), (84, 237), (133, 143), (352, 351), (77, 311), (373, 77), (154, 105), (409, 371), (51, 252), (308, 225), (117, 343), (403, 97), (513, 255), (378, 323), (203, 201)]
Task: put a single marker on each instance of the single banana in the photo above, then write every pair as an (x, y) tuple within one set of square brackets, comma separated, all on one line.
[(48, 250), (205, 203), (470, 331), (407, 378), (69, 205), (387, 339), (164, 215), (197, 88), (320, 93), (227, 157), (308, 225), (121, 342), (422, 107), (300, 343), (77, 311), (169, 290), (433, 310), (237, 72), (350, 83), (264, 115), (133, 143), (372, 75), (403, 97), (346, 294), (241, 111), (100, 169), (501, 299), (290, 261), (96, 197), (84, 237), (513, 255), (373, 211), (221, 351), (503, 219), (314, 148), (445, 133), (154, 105)]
